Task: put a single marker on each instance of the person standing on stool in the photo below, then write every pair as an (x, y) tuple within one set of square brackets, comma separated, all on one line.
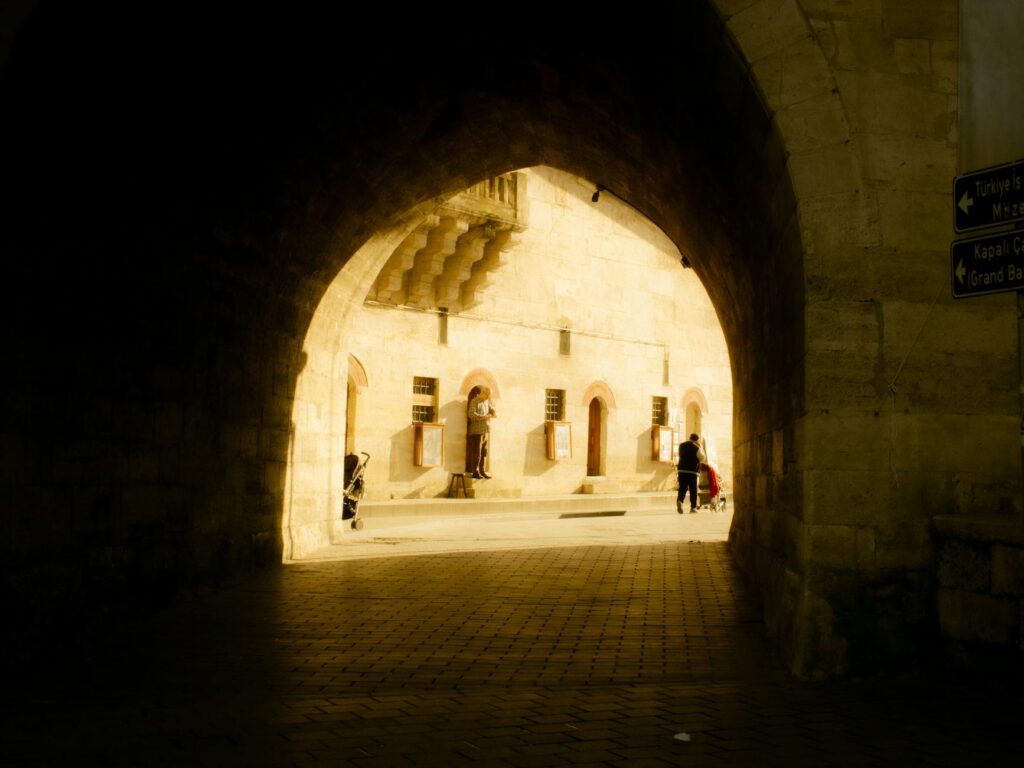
[(691, 456), (479, 434)]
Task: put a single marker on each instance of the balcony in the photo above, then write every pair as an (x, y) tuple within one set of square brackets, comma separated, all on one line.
[(454, 253)]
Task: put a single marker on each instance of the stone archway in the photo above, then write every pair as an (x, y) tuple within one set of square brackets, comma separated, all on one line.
[(797, 153), (737, 256), (718, 186)]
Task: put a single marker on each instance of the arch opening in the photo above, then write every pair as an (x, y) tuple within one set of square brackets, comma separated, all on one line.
[(715, 186), (623, 325), (229, 370)]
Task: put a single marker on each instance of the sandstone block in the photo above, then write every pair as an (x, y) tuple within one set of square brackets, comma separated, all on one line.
[(849, 498), (831, 223), (913, 56), (833, 546), (972, 616), (793, 75), (1008, 570), (883, 103), (951, 443), (824, 171), (929, 19), (915, 220), (843, 326), (947, 326), (909, 163), (150, 505), (945, 66), (813, 123), (766, 27), (862, 10), (859, 46), (964, 566), (843, 381), (731, 7)]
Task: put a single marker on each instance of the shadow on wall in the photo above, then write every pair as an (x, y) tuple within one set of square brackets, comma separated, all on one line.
[(661, 473), (453, 416), (402, 469), (535, 460)]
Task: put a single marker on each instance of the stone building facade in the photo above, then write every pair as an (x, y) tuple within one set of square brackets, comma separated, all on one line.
[(582, 316)]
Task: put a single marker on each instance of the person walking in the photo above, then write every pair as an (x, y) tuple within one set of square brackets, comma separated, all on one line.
[(691, 456)]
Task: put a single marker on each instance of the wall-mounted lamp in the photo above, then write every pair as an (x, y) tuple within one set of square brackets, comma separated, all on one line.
[(599, 188)]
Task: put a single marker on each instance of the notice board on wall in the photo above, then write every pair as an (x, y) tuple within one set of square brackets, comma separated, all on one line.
[(559, 439)]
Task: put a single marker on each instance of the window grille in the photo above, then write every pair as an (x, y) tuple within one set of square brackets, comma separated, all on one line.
[(423, 413), (424, 399), (659, 411), (554, 405), (423, 386)]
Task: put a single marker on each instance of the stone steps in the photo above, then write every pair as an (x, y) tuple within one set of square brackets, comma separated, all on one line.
[(633, 503)]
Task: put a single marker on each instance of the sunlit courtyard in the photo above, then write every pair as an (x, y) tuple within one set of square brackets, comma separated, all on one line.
[(469, 531)]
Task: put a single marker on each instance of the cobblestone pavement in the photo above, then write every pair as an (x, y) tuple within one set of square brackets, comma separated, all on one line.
[(648, 653)]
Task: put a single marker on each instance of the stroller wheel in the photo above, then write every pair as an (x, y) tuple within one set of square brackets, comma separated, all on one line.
[(357, 524)]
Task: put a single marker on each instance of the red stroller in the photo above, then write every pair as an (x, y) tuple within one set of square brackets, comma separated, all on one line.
[(709, 489)]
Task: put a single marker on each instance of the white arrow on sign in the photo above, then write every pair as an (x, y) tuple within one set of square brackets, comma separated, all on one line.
[(960, 271), (966, 201)]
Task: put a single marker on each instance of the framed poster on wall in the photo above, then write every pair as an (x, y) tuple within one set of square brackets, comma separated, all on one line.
[(428, 448), (559, 439), (662, 443)]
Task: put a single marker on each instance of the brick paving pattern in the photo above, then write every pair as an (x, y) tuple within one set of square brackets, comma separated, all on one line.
[(579, 656)]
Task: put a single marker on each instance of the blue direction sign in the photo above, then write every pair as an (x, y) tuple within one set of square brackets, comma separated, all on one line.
[(989, 197), (990, 264)]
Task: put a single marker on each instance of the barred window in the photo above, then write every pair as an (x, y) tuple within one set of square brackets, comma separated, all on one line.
[(423, 413), (659, 410), (424, 399), (554, 405), (423, 386)]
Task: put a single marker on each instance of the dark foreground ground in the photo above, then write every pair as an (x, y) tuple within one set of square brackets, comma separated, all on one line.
[(646, 654)]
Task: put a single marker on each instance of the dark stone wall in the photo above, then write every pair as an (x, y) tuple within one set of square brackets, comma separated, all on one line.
[(178, 192)]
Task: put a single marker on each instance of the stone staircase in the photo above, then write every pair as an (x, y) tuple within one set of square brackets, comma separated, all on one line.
[(647, 502)]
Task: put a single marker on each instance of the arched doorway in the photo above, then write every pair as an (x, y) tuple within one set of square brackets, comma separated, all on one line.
[(693, 419), (470, 387), (351, 393), (355, 382), (595, 440), (471, 446)]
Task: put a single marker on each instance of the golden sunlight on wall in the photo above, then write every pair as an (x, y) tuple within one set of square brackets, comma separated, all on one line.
[(589, 293)]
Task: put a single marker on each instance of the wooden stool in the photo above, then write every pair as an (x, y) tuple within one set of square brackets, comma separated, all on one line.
[(457, 480)]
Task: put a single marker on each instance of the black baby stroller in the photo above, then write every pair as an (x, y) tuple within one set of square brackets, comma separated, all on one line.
[(355, 468)]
